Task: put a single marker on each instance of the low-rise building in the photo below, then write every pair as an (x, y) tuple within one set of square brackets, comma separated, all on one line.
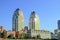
[(22, 32), (58, 34), (11, 33), (42, 33), (1, 29)]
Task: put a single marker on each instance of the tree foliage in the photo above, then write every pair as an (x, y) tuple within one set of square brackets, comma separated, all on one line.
[(4, 34), (1, 35)]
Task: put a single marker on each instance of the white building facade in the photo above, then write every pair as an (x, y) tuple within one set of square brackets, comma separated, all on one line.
[(34, 22), (17, 20), (42, 33)]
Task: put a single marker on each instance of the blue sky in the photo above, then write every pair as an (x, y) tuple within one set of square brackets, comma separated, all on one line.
[(47, 10)]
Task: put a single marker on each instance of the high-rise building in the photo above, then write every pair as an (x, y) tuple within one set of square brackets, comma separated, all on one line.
[(58, 24), (58, 31), (18, 20), (34, 22)]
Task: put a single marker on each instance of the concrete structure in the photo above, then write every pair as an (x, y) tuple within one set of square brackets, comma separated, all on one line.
[(11, 33), (42, 33), (52, 35), (18, 20), (26, 27), (23, 32), (16, 34), (56, 33), (58, 24), (20, 33), (1, 29), (34, 22)]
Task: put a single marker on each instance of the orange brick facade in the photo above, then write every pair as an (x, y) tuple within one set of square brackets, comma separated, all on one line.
[(13, 33), (1, 28)]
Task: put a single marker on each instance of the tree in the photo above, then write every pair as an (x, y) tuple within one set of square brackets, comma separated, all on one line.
[(1, 35), (38, 36), (4, 34), (54, 39), (33, 37), (22, 36)]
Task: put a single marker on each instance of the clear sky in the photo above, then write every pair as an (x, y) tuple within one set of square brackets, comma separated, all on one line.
[(47, 10)]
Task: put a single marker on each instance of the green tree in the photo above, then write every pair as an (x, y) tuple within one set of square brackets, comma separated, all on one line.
[(38, 36), (4, 34), (1, 35), (22, 36), (54, 39)]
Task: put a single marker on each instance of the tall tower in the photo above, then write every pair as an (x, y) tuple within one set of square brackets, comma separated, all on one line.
[(34, 22), (17, 20), (58, 24)]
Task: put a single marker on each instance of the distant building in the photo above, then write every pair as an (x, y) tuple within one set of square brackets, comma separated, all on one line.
[(16, 34), (34, 22), (42, 33), (58, 24), (18, 20), (56, 33), (26, 27), (59, 36), (1, 28), (52, 35)]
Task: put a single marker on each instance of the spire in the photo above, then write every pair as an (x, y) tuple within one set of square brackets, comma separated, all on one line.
[(34, 22), (33, 12), (17, 9)]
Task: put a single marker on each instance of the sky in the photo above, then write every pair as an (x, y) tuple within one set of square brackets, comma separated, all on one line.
[(47, 10)]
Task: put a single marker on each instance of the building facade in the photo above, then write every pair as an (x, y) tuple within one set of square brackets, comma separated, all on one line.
[(58, 24), (1, 29), (26, 28), (43, 34), (34, 22), (11, 33), (18, 20), (58, 30), (56, 33)]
